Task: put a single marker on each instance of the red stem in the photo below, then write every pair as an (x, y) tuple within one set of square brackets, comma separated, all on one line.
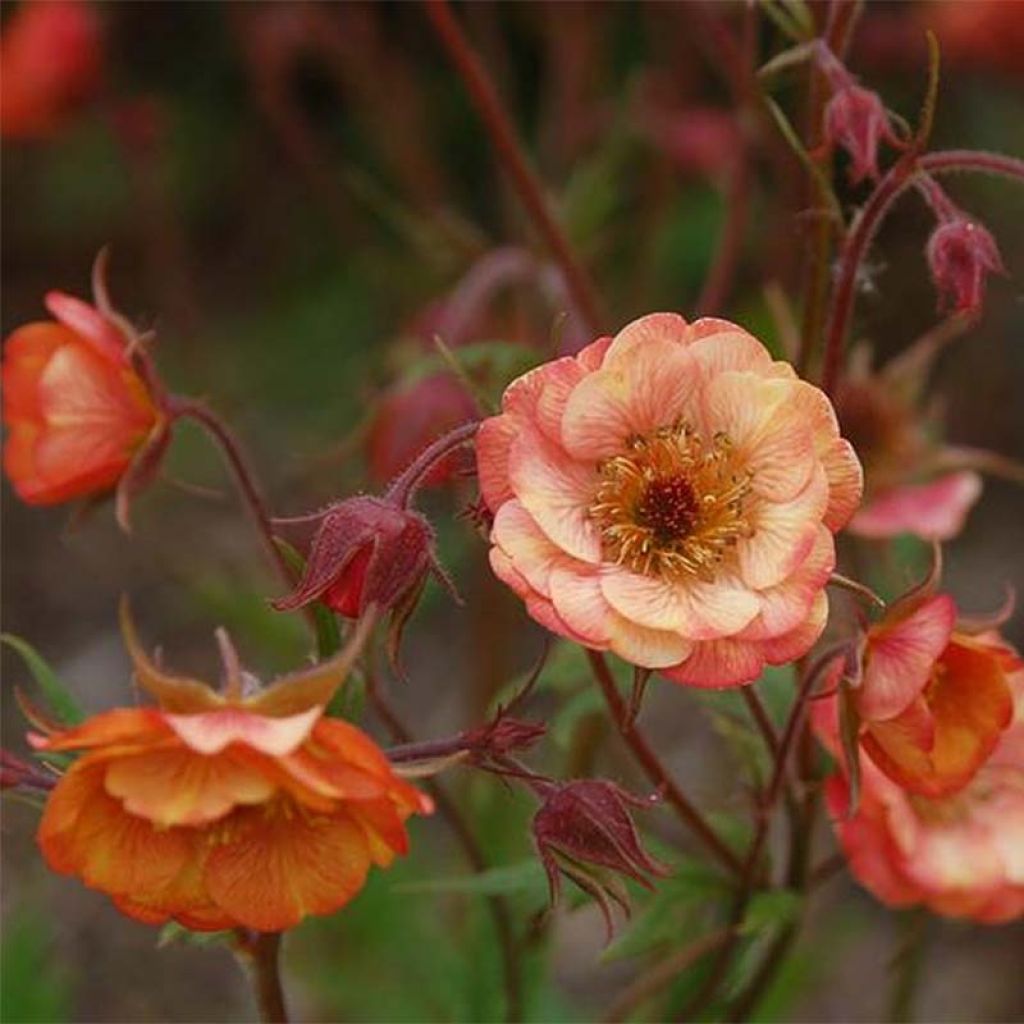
[(259, 954), (484, 97), (654, 769), (403, 488), (220, 433), (948, 160)]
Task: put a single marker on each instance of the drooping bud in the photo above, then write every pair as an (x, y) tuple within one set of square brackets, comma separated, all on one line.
[(14, 773), (856, 120), (584, 830), (961, 254), (365, 551)]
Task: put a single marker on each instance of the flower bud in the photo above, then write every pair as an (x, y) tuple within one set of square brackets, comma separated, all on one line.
[(960, 254), (584, 831), (856, 120), (14, 773), (365, 551)]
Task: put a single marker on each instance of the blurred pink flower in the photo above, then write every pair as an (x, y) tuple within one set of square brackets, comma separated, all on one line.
[(959, 855), (51, 56), (670, 495), (856, 120)]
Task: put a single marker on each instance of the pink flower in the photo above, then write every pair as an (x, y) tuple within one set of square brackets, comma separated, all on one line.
[(856, 120), (961, 254), (670, 495), (933, 700), (935, 510), (959, 855)]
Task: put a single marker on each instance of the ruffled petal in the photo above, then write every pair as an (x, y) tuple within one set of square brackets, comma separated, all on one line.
[(210, 732), (493, 445), (716, 664), (529, 548), (655, 328)]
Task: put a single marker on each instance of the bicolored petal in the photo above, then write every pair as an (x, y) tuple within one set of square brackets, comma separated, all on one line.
[(211, 732), (936, 510)]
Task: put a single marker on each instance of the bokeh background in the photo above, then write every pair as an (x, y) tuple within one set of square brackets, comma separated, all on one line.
[(297, 198)]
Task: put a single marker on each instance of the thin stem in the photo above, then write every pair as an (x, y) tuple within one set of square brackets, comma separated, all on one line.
[(663, 973), (761, 719), (722, 273), (906, 968), (862, 590), (946, 161), (220, 433), (405, 485), (484, 97), (259, 954), (654, 769), (498, 905)]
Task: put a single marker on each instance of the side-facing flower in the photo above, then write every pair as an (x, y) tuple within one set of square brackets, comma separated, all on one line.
[(51, 61), (960, 855), (83, 412), (584, 830), (671, 495), (933, 701), (224, 810)]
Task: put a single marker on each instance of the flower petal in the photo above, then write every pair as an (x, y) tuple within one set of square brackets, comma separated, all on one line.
[(212, 731), (935, 510), (715, 664)]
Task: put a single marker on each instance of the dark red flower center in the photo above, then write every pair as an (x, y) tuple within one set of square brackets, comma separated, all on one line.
[(669, 508)]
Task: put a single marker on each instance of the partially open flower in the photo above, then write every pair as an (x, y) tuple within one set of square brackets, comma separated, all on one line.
[(961, 254), (910, 485), (82, 417), (584, 830), (51, 56), (225, 810), (933, 701), (960, 855), (670, 495)]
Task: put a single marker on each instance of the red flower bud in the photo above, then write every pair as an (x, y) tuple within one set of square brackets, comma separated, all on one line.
[(856, 120), (584, 831), (365, 551), (960, 254), (15, 772), (409, 418)]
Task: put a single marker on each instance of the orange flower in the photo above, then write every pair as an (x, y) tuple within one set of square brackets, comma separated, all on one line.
[(959, 855), (671, 495), (76, 405), (224, 810), (933, 701), (51, 59)]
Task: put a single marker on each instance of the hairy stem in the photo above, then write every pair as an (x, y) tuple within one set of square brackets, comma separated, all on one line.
[(405, 485), (259, 954), (512, 158), (654, 769), (220, 433)]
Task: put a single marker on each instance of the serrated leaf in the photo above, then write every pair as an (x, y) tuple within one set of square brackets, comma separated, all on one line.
[(525, 877), (770, 909), (57, 694)]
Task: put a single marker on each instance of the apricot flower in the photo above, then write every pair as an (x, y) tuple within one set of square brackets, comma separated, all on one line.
[(79, 412), (959, 855), (671, 495), (225, 810), (933, 701)]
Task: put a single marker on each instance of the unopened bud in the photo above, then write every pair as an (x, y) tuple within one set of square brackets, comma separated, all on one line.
[(856, 120), (961, 254)]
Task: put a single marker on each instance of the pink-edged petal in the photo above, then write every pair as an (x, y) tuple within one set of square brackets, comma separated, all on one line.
[(579, 602), (508, 574), (533, 555), (786, 606), (769, 436), (592, 356), (798, 641), (935, 510), (720, 346), (90, 324), (493, 444), (845, 483), (716, 664), (653, 328), (648, 648), (783, 535), (556, 491), (652, 389), (695, 609), (211, 731), (901, 658)]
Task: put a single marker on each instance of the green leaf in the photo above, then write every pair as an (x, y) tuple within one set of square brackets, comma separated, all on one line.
[(173, 932), (526, 876), (328, 633), (771, 909), (57, 694)]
